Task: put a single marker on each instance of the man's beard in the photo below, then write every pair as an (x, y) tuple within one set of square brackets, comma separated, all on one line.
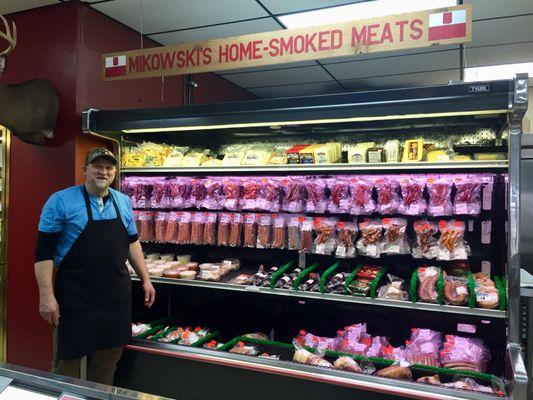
[(101, 183)]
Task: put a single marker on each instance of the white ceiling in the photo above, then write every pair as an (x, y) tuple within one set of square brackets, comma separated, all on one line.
[(502, 33)]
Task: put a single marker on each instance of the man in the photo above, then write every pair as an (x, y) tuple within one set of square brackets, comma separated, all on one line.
[(87, 232)]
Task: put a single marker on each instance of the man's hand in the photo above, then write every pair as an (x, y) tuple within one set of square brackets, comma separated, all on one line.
[(49, 310), (149, 293)]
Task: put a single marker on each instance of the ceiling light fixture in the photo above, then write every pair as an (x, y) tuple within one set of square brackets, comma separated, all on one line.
[(497, 72), (363, 10)]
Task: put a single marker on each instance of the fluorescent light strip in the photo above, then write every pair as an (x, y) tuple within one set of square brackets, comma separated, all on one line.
[(368, 9), (497, 72), (307, 122)]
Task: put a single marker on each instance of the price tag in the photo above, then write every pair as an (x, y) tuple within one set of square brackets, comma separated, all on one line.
[(487, 196), (470, 225), (462, 290), (461, 208), (486, 267), (486, 229), (466, 328)]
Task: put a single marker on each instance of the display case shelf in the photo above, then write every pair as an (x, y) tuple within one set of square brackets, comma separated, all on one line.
[(479, 312)]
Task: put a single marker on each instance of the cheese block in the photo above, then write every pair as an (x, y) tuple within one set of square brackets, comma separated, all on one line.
[(359, 153), (233, 158), (413, 150)]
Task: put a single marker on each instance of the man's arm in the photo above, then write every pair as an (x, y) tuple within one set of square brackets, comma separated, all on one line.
[(48, 307), (136, 259)]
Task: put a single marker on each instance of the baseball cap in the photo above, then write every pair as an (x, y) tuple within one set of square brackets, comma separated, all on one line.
[(100, 153)]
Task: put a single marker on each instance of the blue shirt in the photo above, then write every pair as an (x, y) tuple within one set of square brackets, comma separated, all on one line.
[(65, 212)]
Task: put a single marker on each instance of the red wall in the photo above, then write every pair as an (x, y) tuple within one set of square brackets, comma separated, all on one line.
[(64, 43)]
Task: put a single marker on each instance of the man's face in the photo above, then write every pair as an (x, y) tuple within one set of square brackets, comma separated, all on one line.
[(100, 173)]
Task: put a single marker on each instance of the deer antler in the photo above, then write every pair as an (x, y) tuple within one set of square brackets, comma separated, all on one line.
[(10, 37)]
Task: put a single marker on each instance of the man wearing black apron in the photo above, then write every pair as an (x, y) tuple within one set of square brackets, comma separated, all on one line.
[(88, 232)]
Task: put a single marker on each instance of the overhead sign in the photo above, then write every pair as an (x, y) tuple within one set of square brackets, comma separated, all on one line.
[(443, 26)]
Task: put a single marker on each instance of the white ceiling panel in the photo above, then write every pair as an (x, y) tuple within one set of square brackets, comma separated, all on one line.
[(165, 15), (403, 80), (397, 65), (217, 32), (291, 6), (494, 55), (280, 77), (297, 90), (502, 31), (500, 8), (11, 6)]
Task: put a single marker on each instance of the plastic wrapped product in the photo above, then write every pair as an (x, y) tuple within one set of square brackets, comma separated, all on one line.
[(197, 192), (426, 244), (223, 229), (362, 202), (160, 226), (214, 198), (179, 193), (339, 199), (146, 224), (171, 232), (235, 230), (311, 284), (293, 191), (197, 227), (347, 364), (293, 228), (306, 235), (394, 353), (396, 371), (423, 347), (467, 199), (158, 194), (209, 229), (394, 290), (269, 198), (413, 202), (232, 193), (314, 194), (346, 233), (304, 356), (144, 192), (455, 290), (440, 195), (262, 277), (127, 187), (317, 342), (184, 228), (464, 353), (468, 384), (326, 236), (430, 380), (487, 296), (370, 242), (138, 329), (210, 273), (241, 348), (286, 281), (354, 339), (250, 230), (427, 284), (336, 283), (452, 245), (395, 239), (376, 347), (388, 190), (360, 286), (251, 188), (279, 235), (242, 279), (264, 231)]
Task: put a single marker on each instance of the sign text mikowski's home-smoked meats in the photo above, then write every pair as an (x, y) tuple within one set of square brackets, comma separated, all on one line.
[(419, 29)]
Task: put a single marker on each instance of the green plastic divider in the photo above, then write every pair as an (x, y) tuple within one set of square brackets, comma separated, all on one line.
[(326, 274), (440, 288), (351, 277), (233, 342), (204, 340), (164, 333), (472, 290), (413, 286), (149, 332), (501, 286), (304, 274), (276, 275), (374, 284)]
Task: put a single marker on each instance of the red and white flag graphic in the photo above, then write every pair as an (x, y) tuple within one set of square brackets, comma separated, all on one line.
[(447, 25), (115, 66)]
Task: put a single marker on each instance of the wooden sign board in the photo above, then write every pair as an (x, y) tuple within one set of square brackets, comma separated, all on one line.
[(451, 25)]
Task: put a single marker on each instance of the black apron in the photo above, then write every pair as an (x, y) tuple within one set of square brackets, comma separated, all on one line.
[(93, 289)]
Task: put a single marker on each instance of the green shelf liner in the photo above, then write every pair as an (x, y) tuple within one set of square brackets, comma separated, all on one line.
[(374, 284), (302, 275), (276, 275), (326, 274), (351, 277), (472, 290), (413, 286)]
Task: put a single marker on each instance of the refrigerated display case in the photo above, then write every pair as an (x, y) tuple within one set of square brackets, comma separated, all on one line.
[(467, 127)]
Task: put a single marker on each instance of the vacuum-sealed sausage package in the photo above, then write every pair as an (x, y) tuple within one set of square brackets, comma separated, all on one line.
[(160, 226), (413, 202), (346, 233), (370, 242), (326, 236), (223, 229), (264, 231), (452, 245), (339, 198), (279, 231), (467, 199), (440, 195), (210, 229), (293, 191), (426, 243), (362, 202), (235, 230), (232, 193), (184, 228), (395, 237), (427, 284), (250, 230), (388, 190), (314, 197)]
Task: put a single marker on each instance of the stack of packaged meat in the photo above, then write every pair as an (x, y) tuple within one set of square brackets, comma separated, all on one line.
[(427, 284), (464, 353), (487, 295), (423, 347)]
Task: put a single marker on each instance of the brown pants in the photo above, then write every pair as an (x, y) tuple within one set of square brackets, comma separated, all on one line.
[(101, 365)]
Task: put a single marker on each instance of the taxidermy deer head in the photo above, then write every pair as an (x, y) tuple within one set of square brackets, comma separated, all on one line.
[(28, 109)]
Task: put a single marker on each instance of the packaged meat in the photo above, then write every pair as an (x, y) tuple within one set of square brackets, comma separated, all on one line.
[(223, 229), (377, 346), (451, 243), (427, 284), (396, 372), (211, 273), (269, 198), (232, 193), (184, 228), (138, 329), (388, 190), (394, 290), (146, 225), (294, 224), (346, 233), (426, 244), (347, 364), (232, 263), (467, 199), (251, 187), (455, 290), (235, 230), (250, 230), (262, 277), (487, 295), (431, 380), (395, 239), (423, 347), (326, 238), (354, 339), (440, 195), (279, 235), (468, 384), (464, 353), (160, 226), (314, 195), (179, 193), (197, 227), (210, 220), (286, 281), (257, 336), (264, 231), (158, 194), (311, 284), (293, 191), (370, 242), (143, 192), (339, 199), (171, 228), (306, 235), (317, 342), (360, 286), (336, 283), (361, 202), (197, 192), (413, 202), (242, 348), (242, 279), (303, 356), (214, 194)]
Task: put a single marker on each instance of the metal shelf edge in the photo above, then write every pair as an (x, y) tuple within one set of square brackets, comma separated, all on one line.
[(478, 312)]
